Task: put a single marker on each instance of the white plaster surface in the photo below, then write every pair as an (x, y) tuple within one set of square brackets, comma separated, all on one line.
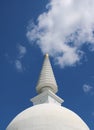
[(46, 78), (47, 97), (47, 117)]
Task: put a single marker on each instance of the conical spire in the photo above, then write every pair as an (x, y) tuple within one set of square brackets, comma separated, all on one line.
[(46, 79), (46, 86)]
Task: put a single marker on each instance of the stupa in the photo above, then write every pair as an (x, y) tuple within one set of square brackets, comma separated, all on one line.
[(47, 112)]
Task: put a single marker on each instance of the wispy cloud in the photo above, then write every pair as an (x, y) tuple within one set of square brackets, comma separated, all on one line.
[(18, 65), (64, 29), (18, 61), (88, 88), (21, 51)]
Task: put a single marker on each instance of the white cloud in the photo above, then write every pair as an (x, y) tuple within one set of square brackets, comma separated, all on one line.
[(18, 61), (21, 51), (87, 88), (64, 29), (18, 65)]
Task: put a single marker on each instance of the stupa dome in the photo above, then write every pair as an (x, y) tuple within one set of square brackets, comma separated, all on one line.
[(48, 116)]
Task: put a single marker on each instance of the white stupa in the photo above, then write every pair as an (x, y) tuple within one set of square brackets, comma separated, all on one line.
[(47, 112)]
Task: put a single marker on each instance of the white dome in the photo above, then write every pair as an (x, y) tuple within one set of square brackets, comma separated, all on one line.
[(47, 117)]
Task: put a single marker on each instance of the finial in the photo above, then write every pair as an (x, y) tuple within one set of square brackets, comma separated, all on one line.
[(47, 55)]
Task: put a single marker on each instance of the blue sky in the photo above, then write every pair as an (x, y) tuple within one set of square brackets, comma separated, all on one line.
[(21, 55)]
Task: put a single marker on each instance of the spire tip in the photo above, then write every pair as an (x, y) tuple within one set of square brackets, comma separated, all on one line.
[(47, 55)]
